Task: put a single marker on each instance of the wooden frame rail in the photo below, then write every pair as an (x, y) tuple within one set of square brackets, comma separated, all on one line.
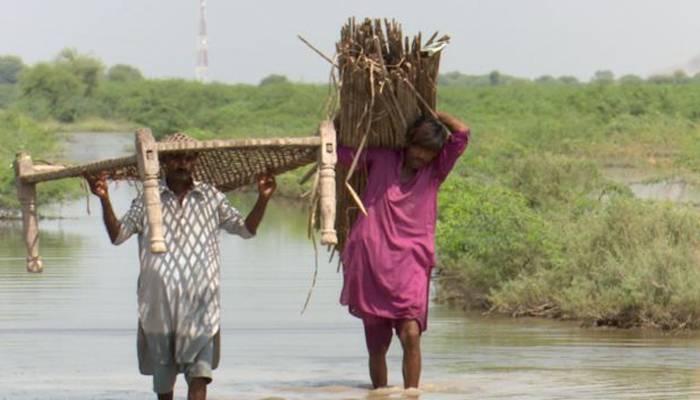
[(146, 159)]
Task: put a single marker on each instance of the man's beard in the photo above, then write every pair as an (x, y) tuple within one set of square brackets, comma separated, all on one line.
[(415, 164), (180, 176)]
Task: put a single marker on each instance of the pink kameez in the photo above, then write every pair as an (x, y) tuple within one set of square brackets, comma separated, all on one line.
[(390, 253)]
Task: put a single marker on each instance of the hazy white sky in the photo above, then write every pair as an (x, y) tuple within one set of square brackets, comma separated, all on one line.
[(251, 39)]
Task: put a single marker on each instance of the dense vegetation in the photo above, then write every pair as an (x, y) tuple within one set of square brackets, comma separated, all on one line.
[(529, 224), (20, 133)]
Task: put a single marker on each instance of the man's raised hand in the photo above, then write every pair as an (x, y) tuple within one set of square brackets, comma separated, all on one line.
[(266, 185), (98, 184)]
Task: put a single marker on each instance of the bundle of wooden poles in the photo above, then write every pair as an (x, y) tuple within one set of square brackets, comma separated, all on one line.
[(386, 82)]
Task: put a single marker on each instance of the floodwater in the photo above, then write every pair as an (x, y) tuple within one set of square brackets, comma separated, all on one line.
[(643, 186), (678, 191), (69, 333)]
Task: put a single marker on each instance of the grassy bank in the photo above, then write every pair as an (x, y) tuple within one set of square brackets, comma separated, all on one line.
[(20, 133), (595, 255), (530, 226)]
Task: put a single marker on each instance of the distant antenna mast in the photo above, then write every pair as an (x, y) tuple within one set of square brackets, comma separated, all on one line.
[(202, 70)]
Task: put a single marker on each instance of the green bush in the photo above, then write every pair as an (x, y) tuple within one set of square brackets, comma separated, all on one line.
[(528, 225), (19, 133), (167, 106), (49, 90), (123, 73), (8, 95), (487, 235), (548, 180), (634, 264), (10, 68)]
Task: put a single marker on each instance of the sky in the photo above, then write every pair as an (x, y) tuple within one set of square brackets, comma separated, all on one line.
[(251, 39)]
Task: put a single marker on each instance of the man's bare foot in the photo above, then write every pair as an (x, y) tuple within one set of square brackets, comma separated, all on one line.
[(384, 391), (412, 392)]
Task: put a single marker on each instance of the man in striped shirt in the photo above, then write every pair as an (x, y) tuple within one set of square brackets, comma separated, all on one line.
[(178, 291)]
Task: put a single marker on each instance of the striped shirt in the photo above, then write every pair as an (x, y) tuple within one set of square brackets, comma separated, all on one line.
[(178, 291)]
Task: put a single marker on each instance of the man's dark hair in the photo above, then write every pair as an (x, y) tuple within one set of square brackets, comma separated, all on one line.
[(169, 156), (427, 133)]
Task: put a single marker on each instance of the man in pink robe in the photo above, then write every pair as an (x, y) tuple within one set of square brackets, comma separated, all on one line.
[(390, 253)]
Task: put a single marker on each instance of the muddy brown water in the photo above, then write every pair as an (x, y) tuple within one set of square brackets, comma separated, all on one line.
[(69, 333)]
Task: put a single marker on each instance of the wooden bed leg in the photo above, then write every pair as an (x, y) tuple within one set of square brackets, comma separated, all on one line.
[(149, 166), (328, 159), (26, 192)]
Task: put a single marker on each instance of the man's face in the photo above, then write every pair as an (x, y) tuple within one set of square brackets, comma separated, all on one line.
[(179, 167), (418, 157)]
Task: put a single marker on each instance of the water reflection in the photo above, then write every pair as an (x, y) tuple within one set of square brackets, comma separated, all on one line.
[(61, 244)]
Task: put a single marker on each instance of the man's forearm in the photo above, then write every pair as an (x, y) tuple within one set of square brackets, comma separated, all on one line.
[(452, 123), (111, 222), (256, 215)]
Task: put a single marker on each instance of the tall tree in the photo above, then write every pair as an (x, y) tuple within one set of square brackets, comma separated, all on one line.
[(123, 73), (604, 77), (10, 67), (545, 80), (273, 79), (630, 79), (54, 88), (568, 80), (495, 78), (86, 68), (679, 76)]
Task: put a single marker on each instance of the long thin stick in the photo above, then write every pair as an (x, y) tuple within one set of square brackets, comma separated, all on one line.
[(312, 236), (325, 57)]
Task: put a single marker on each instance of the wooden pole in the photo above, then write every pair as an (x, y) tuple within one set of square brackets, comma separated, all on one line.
[(328, 159), (26, 192), (148, 165), (44, 173), (224, 144)]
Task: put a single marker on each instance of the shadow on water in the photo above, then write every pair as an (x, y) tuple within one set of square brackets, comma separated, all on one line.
[(69, 333)]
